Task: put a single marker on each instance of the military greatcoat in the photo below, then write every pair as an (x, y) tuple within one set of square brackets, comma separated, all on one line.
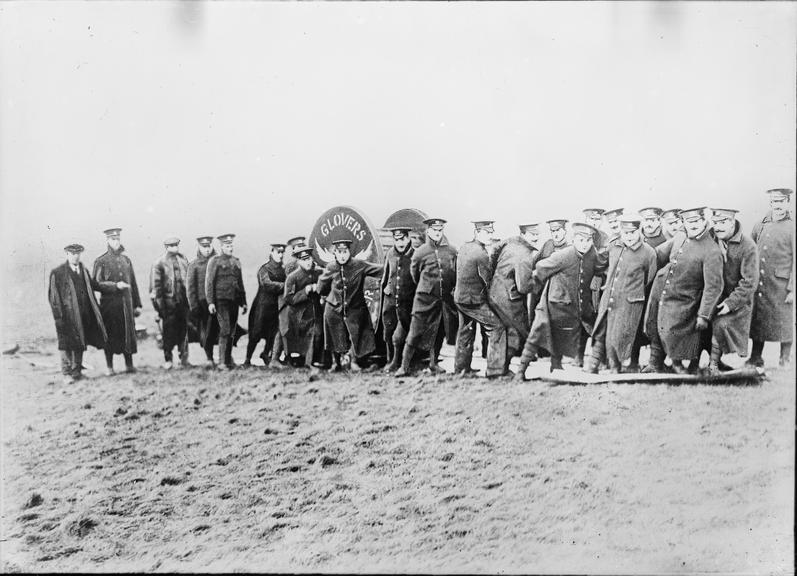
[(264, 315), (434, 269), (622, 306), (118, 306), (565, 307), (347, 320), (773, 319), (513, 263), (740, 274), (302, 317), (688, 286), (206, 323)]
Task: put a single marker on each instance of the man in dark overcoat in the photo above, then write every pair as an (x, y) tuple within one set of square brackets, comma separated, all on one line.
[(474, 274), (78, 322), (289, 261), (206, 323), (167, 286), (684, 296), (434, 269), (264, 312), (632, 267), (303, 312), (612, 219), (513, 263), (398, 292), (652, 231), (121, 306), (348, 332), (600, 241), (773, 304), (224, 287), (565, 315), (730, 328)]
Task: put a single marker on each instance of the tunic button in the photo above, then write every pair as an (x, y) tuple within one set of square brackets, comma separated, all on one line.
[(761, 283), (667, 282), (663, 292), (680, 251), (762, 270), (611, 299), (763, 259), (765, 247), (759, 294)]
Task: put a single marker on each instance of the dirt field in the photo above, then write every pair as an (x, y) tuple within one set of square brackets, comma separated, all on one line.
[(258, 471)]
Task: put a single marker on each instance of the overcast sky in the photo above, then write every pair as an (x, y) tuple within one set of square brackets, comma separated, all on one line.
[(254, 118)]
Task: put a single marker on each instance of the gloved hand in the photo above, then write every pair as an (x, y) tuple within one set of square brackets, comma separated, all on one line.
[(701, 324)]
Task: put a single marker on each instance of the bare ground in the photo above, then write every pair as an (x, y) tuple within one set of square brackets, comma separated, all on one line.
[(262, 471)]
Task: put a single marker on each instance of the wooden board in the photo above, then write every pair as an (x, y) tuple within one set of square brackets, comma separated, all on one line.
[(740, 376)]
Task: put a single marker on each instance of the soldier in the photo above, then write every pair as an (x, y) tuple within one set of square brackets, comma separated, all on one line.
[(304, 312), (671, 222), (558, 239), (474, 275), (224, 287), (78, 322), (119, 307), (651, 226), (684, 295), (348, 333), (289, 262), (564, 316), (594, 217), (512, 264), (434, 269), (773, 317), (264, 317), (632, 267), (731, 326), (207, 323), (167, 286), (612, 218), (398, 292)]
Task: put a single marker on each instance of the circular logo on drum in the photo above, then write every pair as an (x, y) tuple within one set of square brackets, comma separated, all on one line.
[(345, 222)]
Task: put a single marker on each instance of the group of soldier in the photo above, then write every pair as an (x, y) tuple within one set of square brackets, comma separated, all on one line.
[(678, 281)]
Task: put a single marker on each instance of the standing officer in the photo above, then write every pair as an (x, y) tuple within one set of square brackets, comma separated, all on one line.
[(398, 292), (78, 322), (671, 222), (512, 264), (302, 318), (594, 217), (773, 316), (206, 322), (684, 296), (167, 288), (651, 226), (347, 321), (564, 316), (632, 267), (558, 239), (121, 306), (224, 286), (474, 275), (731, 326), (264, 315), (434, 269)]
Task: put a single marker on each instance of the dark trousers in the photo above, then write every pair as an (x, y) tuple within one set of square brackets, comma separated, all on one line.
[(109, 359), (175, 333), (469, 317), (227, 313), (271, 337), (71, 362), (395, 327)]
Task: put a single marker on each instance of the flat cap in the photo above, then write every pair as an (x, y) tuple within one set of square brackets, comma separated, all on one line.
[(670, 214), (593, 212), (583, 228), (435, 222), (483, 224), (74, 248), (400, 231), (722, 213), (277, 245), (650, 212), (780, 193), (171, 241), (692, 213), (630, 222), (535, 227), (613, 214), (297, 240)]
